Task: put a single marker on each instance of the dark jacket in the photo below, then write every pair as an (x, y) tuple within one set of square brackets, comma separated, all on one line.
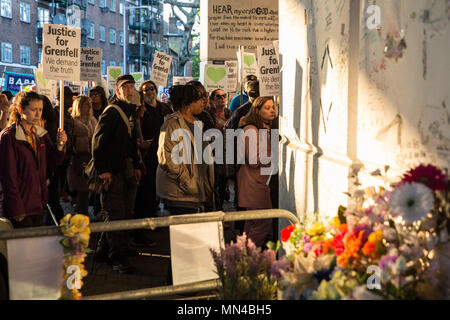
[(23, 173), (238, 114), (111, 143)]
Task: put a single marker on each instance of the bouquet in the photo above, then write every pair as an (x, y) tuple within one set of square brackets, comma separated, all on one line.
[(245, 271), (391, 242)]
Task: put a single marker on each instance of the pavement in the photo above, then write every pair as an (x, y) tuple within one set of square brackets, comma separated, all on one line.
[(152, 263)]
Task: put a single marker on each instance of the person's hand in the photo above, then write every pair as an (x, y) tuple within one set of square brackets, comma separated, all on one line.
[(144, 144), (61, 139), (19, 218), (138, 174), (106, 177)]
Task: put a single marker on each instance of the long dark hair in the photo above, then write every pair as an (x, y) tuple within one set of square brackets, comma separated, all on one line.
[(102, 93), (22, 100), (183, 95)]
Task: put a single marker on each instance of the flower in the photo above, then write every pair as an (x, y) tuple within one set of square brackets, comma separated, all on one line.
[(429, 175), (412, 201), (286, 233)]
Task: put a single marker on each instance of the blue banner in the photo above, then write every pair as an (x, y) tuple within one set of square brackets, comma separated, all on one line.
[(15, 82)]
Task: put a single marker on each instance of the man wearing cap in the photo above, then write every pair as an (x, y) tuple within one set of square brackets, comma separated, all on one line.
[(236, 101), (115, 154)]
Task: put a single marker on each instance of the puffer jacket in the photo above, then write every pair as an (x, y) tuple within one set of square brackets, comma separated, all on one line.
[(23, 173), (183, 182)]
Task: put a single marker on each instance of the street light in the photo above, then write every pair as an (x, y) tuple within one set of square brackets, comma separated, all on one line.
[(124, 33)]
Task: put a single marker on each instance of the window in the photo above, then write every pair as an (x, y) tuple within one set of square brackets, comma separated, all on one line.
[(112, 5), (6, 52), (102, 3), (121, 38), (43, 17), (121, 7), (91, 31), (25, 12), (39, 55), (102, 33), (5, 8), (132, 38), (91, 2), (25, 55), (103, 66), (112, 63), (112, 36)]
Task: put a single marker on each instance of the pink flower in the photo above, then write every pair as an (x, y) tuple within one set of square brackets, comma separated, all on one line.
[(429, 175)]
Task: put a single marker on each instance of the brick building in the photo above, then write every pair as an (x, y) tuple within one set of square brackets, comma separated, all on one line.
[(101, 22)]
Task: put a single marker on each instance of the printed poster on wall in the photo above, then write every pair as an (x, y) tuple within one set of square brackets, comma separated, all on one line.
[(113, 73), (268, 71), (160, 68), (61, 52)]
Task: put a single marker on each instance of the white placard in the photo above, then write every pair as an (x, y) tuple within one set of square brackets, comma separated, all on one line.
[(160, 68), (91, 64), (138, 77), (249, 64), (44, 86), (61, 52), (113, 73), (181, 80), (35, 268), (215, 76), (268, 71), (232, 75), (190, 255)]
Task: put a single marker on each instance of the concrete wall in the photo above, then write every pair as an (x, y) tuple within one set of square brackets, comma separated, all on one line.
[(351, 97)]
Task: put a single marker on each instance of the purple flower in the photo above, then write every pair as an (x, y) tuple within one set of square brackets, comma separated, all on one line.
[(307, 247), (278, 265), (268, 259), (306, 239), (384, 262), (363, 227), (232, 256), (218, 261)]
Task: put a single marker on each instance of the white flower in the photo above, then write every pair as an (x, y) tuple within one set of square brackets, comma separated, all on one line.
[(411, 201)]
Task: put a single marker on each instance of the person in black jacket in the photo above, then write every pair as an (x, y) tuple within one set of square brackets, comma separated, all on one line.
[(115, 154)]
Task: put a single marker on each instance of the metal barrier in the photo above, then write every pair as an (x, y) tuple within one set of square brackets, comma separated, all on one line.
[(153, 223)]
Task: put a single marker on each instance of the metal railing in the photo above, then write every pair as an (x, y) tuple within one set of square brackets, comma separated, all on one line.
[(153, 223)]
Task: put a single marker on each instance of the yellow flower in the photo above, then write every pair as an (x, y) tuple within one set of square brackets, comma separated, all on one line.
[(316, 229), (335, 222), (376, 236)]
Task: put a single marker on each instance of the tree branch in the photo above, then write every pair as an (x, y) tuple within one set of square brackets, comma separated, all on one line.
[(195, 4)]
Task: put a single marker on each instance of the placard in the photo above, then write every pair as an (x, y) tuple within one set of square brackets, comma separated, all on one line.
[(91, 64), (190, 251), (268, 71), (232, 75), (160, 68), (181, 80), (138, 77), (44, 86), (61, 52), (35, 268), (113, 73), (228, 24), (215, 76)]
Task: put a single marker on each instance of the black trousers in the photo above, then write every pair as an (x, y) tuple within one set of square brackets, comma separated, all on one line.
[(54, 194), (118, 204), (147, 203)]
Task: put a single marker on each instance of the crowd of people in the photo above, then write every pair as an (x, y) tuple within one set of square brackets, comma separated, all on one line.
[(116, 155)]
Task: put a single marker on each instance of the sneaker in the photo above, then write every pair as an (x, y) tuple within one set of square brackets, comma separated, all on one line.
[(123, 266)]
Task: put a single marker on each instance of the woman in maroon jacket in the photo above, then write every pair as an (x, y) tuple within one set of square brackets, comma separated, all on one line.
[(26, 151)]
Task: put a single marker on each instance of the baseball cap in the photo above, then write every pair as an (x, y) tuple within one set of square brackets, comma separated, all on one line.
[(125, 78), (250, 77)]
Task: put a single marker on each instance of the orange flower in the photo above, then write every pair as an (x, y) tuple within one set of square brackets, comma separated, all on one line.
[(369, 248), (343, 228), (352, 245), (327, 245)]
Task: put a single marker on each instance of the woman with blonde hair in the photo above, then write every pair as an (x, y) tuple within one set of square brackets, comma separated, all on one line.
[(253, 189), (84, 125), (27, 152)]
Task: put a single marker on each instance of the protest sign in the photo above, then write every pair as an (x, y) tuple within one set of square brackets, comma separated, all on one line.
[(61, 52), (268, 71), (44, 86), (232, 75), (113, 73), (91, 64), (15, 82), (138, 77), (181, 80), (160, 68), (215, 76)]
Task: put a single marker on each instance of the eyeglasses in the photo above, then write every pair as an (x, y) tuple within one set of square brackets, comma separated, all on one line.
[(148, 89), (204, 95), (95, 95), (220, 96)]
